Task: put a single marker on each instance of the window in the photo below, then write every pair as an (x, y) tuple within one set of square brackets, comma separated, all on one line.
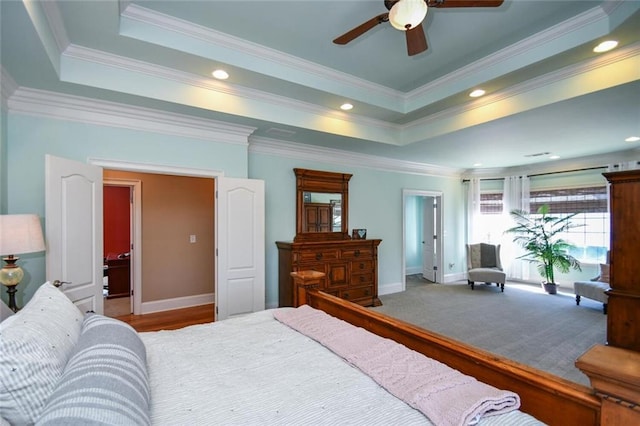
[(591, 236)]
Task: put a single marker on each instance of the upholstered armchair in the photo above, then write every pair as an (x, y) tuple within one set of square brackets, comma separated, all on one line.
[(483, 265)]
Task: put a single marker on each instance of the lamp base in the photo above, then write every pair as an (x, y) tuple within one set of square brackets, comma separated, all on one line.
[(11, 290), (10, 276)]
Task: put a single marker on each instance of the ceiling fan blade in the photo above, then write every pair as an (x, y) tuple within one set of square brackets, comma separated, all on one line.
[(361, 29), (416, 40), (464, 3)]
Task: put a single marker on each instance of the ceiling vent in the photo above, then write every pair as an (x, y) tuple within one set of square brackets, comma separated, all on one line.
[(280, 133), (539, 154)]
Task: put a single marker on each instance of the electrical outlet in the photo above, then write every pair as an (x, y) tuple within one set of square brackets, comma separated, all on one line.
[(451, 265), (192, 238)]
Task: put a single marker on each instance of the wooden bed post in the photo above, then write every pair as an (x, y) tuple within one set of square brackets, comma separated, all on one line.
[(302, 282)]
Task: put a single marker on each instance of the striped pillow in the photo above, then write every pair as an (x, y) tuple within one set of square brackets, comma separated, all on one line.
[(35, 345), (105, 381)]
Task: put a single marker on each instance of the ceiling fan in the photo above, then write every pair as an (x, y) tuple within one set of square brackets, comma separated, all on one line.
[(407, 16)]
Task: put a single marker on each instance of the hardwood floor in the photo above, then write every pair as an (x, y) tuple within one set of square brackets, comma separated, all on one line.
[(170, 320)]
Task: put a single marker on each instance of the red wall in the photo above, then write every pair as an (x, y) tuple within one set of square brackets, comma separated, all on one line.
[(116, 220)]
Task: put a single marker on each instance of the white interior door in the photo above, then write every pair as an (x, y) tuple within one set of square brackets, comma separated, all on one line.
[(73, 221), (428, 239), (240, 286)]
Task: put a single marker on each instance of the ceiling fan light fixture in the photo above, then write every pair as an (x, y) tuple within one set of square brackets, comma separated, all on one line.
[(407, 14)]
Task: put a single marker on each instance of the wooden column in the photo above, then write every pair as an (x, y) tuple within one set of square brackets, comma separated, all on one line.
[(623, 310)]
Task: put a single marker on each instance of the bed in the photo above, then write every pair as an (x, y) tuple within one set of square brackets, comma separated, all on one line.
[(59, 366)]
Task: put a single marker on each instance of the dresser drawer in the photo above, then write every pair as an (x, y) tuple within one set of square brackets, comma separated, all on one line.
[(361, 266), (357, 293), (356, 253), (315, 255), (358, 280)]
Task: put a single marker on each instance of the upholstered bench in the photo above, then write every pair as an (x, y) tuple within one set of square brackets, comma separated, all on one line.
[(594, 290)]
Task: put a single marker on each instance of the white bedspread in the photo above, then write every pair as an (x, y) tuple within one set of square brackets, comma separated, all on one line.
[(254, 370)]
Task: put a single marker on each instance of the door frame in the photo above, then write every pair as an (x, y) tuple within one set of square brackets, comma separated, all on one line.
[(158, 169), (136, 238), (439, 196)]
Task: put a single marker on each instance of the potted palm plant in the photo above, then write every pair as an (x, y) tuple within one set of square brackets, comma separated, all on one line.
[(538, 236)]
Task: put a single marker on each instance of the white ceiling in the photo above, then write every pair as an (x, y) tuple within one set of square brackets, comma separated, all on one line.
[(547, 92)]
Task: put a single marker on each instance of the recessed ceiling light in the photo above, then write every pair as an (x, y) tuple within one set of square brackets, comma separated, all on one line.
[(554, 157), (605, 46), (477, 93), (632, 139), (220, 74), (477, 165), (346, 106)]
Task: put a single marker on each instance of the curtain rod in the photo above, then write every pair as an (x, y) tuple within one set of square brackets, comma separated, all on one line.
[(550, 173)]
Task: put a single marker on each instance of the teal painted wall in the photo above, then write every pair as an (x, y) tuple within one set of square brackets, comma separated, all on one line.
[(29, 138), (413, 233), (375, 203), (3, 160)]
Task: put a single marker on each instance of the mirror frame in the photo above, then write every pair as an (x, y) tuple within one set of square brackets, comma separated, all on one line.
[(325, 182)]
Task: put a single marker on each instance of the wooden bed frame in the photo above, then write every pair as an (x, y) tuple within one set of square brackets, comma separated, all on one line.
[(613, 369), (548, 398)]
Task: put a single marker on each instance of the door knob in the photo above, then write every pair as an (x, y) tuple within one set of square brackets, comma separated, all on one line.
[(58, 283)]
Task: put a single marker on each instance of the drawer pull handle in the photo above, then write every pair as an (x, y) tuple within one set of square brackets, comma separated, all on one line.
[(357, 253), (318, 256), (346, 295), (366, 292), (362, 266), (362, 279)]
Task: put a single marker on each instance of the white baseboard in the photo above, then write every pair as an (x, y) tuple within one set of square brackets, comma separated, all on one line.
[(177, 303), (413, 270), (451, 278), (389, 288)]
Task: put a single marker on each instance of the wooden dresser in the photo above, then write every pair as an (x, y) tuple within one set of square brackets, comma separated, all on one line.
[(350, 268)]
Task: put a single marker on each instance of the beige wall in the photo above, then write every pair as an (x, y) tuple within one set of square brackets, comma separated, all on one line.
[(173, 208)]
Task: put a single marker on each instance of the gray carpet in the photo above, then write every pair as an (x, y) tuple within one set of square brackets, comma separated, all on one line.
[(525, 324)]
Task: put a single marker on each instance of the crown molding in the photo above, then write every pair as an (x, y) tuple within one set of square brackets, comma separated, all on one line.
[(150, 17), (133, 65), (298, 151), (592, 161), (509, 52), (56, 24), (533, 84), (104, 113)]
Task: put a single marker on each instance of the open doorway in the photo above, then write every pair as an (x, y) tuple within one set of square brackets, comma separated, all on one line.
[(121, 225), (422, 235)]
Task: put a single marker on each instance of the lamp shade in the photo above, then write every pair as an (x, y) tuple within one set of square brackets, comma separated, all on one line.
[(20, 233), (407, 14)]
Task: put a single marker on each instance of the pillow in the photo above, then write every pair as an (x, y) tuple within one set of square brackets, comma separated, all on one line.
[(604, 273), (35, 345), (105, 381), (487, 256)]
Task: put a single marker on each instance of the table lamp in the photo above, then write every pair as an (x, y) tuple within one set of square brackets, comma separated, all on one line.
[(19, 234)]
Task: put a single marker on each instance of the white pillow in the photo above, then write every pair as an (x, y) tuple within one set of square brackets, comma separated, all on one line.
[(35, 345)]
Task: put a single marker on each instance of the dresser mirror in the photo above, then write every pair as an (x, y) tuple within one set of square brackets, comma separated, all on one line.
[(322, 205)]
